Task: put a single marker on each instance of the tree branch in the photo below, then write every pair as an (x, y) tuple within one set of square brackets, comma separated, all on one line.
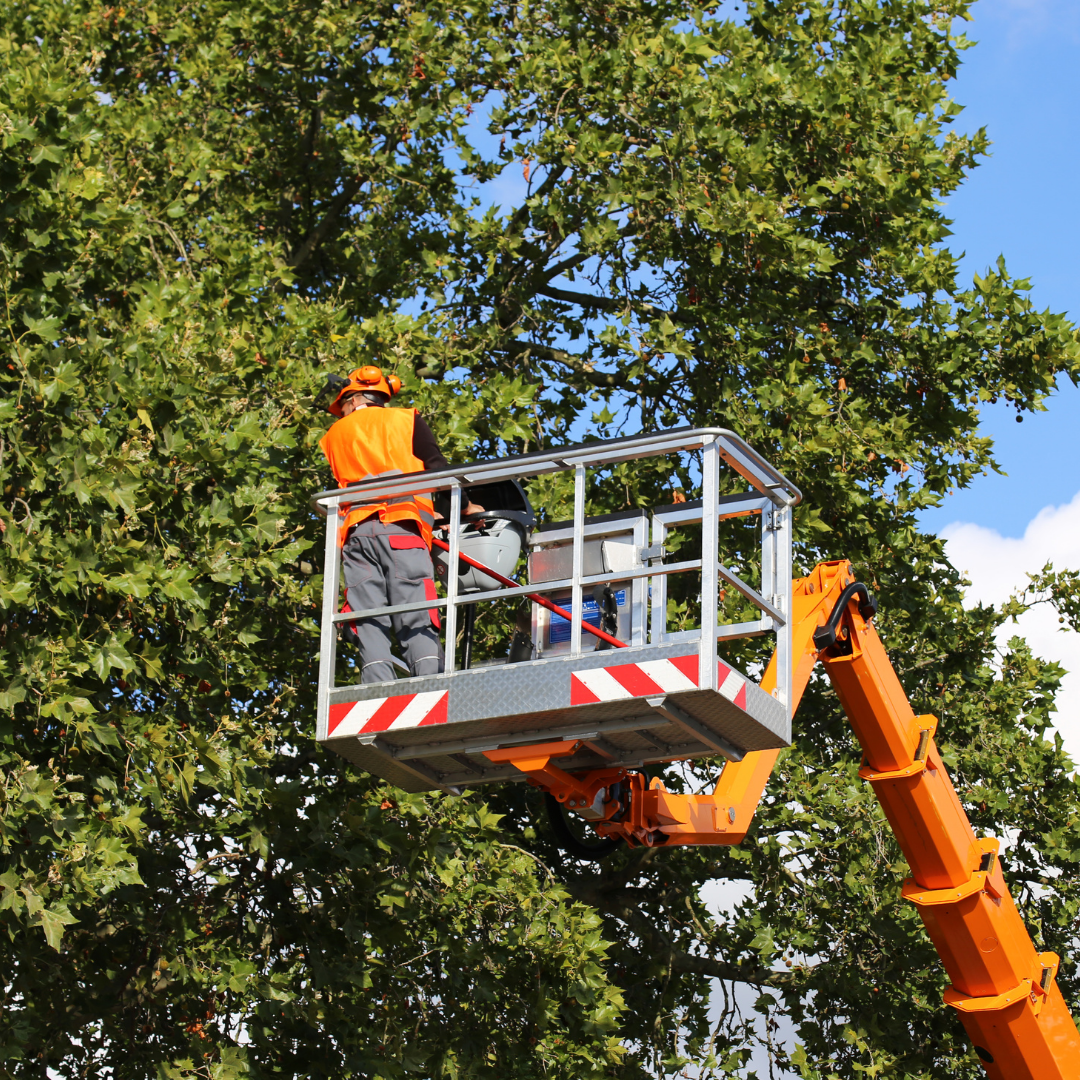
[(177, 241), (658, 945), (581, 368), (317, 235), (603, 303), (312, 130), (545, 187), (568, 263), (224, 855), (572, 261)]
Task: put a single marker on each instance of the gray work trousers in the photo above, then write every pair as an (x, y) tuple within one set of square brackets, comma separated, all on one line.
[(386, 563)]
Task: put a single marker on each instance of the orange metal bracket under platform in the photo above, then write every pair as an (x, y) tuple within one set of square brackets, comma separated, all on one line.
[(1005, 992)]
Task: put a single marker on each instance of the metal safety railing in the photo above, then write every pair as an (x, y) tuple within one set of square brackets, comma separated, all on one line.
[(771, 499)]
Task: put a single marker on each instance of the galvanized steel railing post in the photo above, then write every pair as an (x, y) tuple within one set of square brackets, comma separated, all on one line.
[(658, 589), (578, 566), (639, 588), (453, 565), (786, 637), (710, 558), (328, 631), (776, 587)]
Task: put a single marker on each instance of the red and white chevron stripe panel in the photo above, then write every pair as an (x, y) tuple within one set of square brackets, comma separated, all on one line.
[(651, 677), (387, 714)]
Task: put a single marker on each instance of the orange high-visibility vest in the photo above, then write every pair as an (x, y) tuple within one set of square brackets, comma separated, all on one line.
[(378, 442)]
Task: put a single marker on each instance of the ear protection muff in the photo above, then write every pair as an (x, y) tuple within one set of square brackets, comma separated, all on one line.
[(368, 375)]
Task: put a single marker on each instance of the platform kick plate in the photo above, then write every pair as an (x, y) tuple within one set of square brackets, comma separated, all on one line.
[(431, 732)]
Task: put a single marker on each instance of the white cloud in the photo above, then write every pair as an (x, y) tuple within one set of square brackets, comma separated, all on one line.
[(997, 566)]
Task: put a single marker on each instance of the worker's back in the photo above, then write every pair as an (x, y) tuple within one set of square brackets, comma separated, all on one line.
[(377, 441), (371, 442)]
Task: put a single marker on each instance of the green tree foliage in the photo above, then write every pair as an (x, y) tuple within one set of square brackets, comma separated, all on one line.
[(728, 218)]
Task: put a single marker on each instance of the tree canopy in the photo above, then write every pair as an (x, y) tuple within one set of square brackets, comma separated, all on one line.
[(724, 216)]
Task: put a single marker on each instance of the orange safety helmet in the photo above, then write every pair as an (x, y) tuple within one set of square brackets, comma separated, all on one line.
[(367, 379)]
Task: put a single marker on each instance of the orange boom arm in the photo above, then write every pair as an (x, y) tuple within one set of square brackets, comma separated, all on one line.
[(1005, 992)]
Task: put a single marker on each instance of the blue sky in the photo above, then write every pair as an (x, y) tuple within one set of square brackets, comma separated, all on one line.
[(1022, 83)]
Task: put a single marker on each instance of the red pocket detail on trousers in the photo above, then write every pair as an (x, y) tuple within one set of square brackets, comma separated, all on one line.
[(431, 594), (404, 543)]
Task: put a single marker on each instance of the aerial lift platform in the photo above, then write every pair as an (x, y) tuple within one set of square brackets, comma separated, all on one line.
[(579, 720)]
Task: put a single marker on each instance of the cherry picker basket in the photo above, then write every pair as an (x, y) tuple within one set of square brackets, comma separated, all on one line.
[(655, 694)]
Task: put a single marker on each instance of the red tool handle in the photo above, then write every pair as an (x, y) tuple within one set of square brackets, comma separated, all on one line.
[(543, 601)]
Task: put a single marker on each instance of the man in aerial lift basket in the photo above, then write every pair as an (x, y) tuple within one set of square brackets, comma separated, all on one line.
[(385, 547)]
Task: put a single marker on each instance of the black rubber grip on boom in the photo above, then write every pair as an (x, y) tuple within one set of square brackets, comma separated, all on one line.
[(825, 636)]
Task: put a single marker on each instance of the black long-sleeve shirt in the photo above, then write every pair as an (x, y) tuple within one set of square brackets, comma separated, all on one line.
[(425, 447)]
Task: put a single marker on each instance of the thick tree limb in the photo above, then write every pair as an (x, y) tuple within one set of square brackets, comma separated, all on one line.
[(602, 303), (582, 368), (312, 130), (338, 205), (569, 263)]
